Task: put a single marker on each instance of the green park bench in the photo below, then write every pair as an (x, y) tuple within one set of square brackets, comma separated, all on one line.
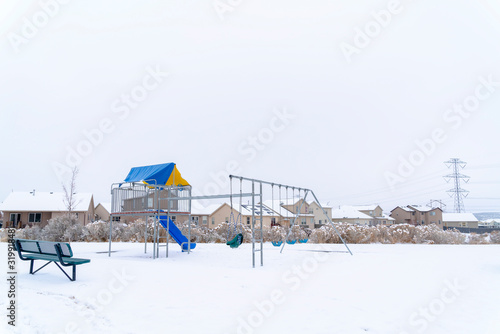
[(31, 250)]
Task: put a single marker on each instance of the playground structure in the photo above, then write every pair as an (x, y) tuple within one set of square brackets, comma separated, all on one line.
[(159, 193)]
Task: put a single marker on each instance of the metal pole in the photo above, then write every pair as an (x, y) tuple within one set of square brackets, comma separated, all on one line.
[(111, 222), (253, 225), (324, 212), (169, 195), (146, 237), (189, 233), (110, 232), (261, 230)]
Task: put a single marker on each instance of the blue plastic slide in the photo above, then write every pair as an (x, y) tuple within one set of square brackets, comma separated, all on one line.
[(176, 233)]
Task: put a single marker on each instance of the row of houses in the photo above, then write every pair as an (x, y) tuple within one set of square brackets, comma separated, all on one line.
[(22, 209)]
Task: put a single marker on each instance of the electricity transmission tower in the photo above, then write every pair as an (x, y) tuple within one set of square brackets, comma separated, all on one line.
[(457, 192)]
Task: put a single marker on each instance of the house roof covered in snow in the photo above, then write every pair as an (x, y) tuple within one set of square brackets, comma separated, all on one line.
[(404, 208), (325, 205), (386, 216), (413, 208), (197, 208), (422, 208), (44, 202), (348, 212), (459, 217), (365, 207)]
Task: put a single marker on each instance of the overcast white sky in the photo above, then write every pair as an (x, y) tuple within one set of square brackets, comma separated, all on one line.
[(351, 105)]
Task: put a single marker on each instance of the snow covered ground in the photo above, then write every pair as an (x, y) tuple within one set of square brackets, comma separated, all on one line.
[(309, 288)]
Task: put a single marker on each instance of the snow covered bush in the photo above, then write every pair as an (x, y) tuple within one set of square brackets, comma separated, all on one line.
[(478, 239), (495, 237), (276, 233), (98, 231), (56, 228), (134, 231), (297, 233), (30, 233), (430, 234)]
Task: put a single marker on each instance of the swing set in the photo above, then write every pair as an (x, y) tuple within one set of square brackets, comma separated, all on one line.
[(237, 238)]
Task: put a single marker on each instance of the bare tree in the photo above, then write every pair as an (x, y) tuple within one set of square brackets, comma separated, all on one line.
[(70, 192)]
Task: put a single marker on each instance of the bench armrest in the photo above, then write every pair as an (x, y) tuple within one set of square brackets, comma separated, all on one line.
[(17, 246), (60, 256)]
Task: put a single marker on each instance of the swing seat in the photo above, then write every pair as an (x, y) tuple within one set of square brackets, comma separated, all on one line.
[(277, 243), (236, 242), (303, 241), (291, 242)]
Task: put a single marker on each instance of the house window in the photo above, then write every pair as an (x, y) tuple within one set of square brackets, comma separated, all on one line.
[(248, 220), (273, 221), (312, 221), (195, 220), (227, 219), (320, 221), (35, 217), (204, 220), (116, 218), (213, 221), (433, 213), (303, 221)]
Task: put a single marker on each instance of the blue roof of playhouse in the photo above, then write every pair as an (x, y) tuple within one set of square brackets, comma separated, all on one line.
[(162, 174)]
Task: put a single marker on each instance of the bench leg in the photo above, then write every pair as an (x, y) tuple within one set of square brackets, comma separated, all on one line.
[(74, 272)]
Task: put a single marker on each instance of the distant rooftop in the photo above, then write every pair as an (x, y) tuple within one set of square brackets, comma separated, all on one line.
[(43, 201), (459, 217)]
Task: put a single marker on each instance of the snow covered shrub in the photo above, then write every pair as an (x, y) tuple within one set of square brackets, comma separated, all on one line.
[(318, 235), (135, 230), (403, 233), (478, 239), (31, 233), (198, 233), (384, 235), (455, 237), (297, 233), (430, 234), (3, 235), (277, 233), (222, 232), (56, 228), (98, 231), (207, 235), (326, 234), (75, 232), (495, 237)]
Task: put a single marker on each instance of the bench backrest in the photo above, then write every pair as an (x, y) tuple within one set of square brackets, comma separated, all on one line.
[(43, 247)]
